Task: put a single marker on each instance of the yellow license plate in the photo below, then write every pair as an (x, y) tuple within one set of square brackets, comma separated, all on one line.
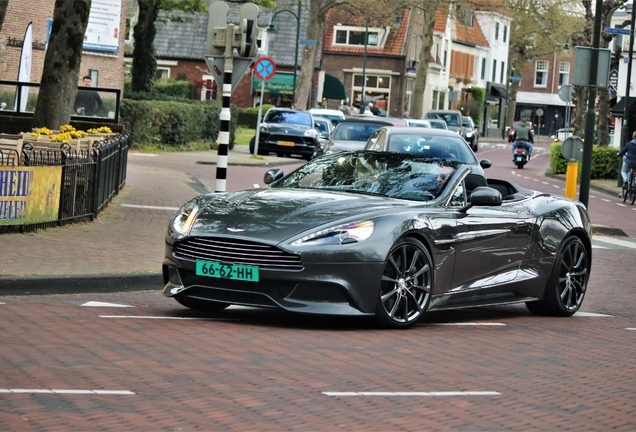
[(286, 143)]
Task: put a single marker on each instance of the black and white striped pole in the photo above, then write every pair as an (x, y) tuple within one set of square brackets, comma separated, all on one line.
[(223, 38)]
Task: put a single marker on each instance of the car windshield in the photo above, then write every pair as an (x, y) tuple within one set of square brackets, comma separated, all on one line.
[(438, 125), (451, 119), (393, 175), (334, 119), (321, 125), (354, 131), (293, 117), (449, 148)]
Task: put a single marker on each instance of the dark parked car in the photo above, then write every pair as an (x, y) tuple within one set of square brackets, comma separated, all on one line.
[(352, 133), (287, 131), (435, 143), (385, 234), (471, 132)]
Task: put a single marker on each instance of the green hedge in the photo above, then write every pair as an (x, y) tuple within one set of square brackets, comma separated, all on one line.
[(247, 116), (174, 123), (604, 162)]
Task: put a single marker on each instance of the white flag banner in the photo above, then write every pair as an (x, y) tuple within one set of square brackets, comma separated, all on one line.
[(24, 72)]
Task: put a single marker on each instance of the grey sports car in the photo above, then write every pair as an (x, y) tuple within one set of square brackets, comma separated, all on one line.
[(379, 233)]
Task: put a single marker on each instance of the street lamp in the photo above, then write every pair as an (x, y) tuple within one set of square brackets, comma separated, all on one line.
[(272, 29)]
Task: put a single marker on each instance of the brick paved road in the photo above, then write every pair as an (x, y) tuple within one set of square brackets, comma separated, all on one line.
[(248, 369)]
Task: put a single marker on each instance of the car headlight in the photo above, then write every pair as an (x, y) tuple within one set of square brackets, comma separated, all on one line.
[(311, 133), (183, 220), (263, 128), (341, 234), (469, 134)]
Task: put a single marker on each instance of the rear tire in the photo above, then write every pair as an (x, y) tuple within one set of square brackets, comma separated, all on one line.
[(632, 192), (520, 165), (567, 284), (200, 304)]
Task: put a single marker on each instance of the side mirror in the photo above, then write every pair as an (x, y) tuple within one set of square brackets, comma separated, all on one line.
[(485, 196), (485, 163), (272, 175)]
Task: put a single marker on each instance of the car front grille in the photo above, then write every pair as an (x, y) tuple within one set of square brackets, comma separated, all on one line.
[(237, 252)]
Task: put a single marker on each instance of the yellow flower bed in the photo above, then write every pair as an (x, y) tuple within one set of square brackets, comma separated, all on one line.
[(103, 129), (41, 131)]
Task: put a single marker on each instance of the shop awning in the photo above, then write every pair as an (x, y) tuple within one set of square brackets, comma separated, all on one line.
[(619, 108), (333, 88), (280, 83), (496, 90)]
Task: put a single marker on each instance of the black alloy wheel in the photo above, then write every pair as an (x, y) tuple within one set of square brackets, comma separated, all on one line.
[(201, 304), (567, 284), (406, 284)]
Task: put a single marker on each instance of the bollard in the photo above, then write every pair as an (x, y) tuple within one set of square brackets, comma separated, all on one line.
[(571, 176)]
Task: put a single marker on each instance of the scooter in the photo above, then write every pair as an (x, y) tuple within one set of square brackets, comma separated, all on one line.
[(520, 156)]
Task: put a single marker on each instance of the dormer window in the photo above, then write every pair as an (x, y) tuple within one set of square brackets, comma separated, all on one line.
[(354, 36), (466, 16)]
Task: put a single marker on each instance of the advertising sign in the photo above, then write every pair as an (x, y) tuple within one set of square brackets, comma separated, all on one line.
[(29, 195), (102, 32)]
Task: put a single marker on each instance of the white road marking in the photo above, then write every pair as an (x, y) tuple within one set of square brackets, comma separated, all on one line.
[(143, 154), (466, 324), (630, 328), (103, 304), (256, 185), (592, 196), (616, 241), (455, 393), (150, 207), (605, 199), (2, 303), (150, 317), (622, 205), (592, 314), (58, 391), (545, 183), (556, 186), (599, 247)]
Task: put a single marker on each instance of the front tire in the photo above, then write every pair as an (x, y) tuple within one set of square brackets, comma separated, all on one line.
[(405, 288), (567, 284), (632, 192), (200, 304)]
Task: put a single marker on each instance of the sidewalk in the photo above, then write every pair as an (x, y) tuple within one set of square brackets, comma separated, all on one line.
[(123, 248)]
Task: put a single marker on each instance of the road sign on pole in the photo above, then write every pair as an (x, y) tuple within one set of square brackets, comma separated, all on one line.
[(264, 68), (612, 30)]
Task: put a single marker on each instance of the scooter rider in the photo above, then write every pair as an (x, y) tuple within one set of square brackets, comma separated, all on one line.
[(523, 134)]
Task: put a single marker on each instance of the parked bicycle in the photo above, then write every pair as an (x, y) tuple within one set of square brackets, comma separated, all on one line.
[(629, 187)]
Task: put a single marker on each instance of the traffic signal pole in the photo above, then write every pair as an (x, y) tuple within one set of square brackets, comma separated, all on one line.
[(226, 115)]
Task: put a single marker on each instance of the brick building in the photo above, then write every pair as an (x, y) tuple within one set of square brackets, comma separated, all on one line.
[(104, 62)]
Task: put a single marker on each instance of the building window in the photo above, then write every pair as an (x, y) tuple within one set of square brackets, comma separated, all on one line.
[(541, 73), (503, 70), (494, 70), (496, 31), (564, 73), (376, 90), (483, 68), (505, 33), (94, 74), (354, 36), (208, 88), (163, 72), (466, 16)]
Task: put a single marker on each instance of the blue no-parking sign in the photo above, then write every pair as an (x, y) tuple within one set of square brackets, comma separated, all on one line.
[(264, 68)]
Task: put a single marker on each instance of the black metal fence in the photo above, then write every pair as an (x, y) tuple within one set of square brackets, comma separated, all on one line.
[(90, 178)]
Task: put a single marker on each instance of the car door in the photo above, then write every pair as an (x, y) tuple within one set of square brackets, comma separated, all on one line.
[(490, 245)]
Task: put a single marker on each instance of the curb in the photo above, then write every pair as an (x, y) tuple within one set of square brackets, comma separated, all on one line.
[(78, 284)]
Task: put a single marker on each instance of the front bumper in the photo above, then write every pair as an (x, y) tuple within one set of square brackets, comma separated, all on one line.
[(289, 144)]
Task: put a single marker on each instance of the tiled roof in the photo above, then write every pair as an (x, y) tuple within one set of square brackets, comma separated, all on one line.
[(395, 44), (471, 35), (441, 18)]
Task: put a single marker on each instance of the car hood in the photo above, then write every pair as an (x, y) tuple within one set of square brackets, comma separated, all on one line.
[(286, 128), (273, 215)]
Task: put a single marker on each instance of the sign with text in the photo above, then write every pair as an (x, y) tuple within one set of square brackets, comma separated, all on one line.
[(29, 195), (102, 31)]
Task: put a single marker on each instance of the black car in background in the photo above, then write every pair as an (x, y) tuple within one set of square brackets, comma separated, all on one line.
[(286, 131), (471, 132)]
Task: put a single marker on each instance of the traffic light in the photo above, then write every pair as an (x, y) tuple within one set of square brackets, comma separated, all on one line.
[(217, 22), (248, 28)]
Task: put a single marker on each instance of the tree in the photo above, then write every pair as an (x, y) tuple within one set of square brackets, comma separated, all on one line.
[(4, 4), (62, 63)]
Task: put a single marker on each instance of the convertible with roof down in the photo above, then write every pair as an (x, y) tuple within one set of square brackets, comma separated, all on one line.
[(379, 233)]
